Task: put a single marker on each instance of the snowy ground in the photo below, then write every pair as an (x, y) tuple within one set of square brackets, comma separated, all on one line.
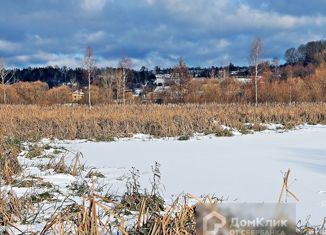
[(243, 168)]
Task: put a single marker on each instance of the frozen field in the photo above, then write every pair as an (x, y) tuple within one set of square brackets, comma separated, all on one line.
[(243, 168)]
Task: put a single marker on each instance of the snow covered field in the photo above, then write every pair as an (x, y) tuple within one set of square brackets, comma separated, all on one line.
[(243, 168)]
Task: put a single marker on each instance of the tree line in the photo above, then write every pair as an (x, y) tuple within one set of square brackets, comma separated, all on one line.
[(310, 53), (182, 89), (300, 79)]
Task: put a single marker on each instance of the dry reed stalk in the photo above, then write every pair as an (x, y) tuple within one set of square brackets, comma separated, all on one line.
[(9, 163), (285, 187), (105, 122), (61, 166), (75, 165)]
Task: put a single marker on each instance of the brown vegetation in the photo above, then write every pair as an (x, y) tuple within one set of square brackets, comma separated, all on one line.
[(270, 87), (105, 122), (8, 161)]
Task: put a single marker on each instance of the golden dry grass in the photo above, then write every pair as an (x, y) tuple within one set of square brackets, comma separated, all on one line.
[(9, 164), (105, 122)]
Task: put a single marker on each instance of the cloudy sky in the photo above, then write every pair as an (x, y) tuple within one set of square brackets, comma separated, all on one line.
[(154, 32)]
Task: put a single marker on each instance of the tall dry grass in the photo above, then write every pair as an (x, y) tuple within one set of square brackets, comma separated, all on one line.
[(105, 122), (9, 164)]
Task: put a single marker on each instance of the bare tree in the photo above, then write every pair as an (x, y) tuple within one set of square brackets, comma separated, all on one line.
[(213, 73), (125, 64), (5, 78), (107, 81), (180, 77), (255, 54), (89, 65), (118, 84), (276, 65)]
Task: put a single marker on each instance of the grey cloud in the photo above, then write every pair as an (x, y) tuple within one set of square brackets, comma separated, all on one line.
[(153, 32)]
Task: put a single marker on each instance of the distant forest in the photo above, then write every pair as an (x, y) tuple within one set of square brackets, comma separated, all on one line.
[(56, 76)]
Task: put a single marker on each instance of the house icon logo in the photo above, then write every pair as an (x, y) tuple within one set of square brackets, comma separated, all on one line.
[(213, 222)]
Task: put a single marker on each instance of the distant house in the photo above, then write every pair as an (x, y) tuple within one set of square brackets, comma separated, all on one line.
[(249, 79), (77, 95), (138, 91), (71, 84), (159, 89), (161, 79), (243, 79), (198, 72)]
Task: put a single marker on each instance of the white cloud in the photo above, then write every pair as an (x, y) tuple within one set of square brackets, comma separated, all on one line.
[(249, 17), (23, 58), (64, 61), (155, 58), (7, 46), (90, 37), (93, 5), (70, 60), (50, 59), (221, 44), (224, 14), (150, 2), (95, 36)]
